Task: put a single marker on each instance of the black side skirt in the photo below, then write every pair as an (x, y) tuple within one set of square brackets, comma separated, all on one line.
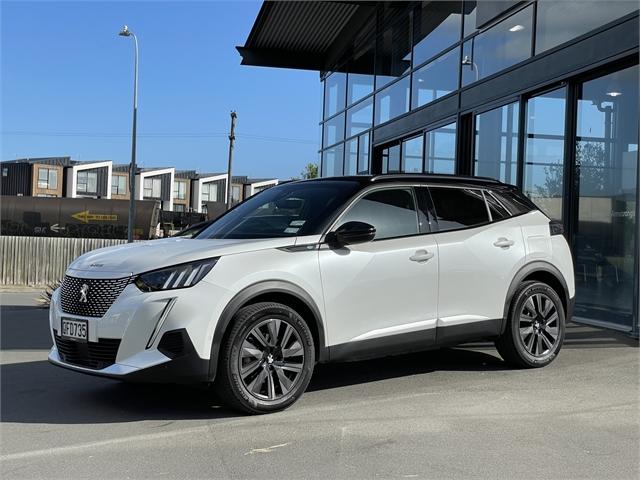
[(415, 341)]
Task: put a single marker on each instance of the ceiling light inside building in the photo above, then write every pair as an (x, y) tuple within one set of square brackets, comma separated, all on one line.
[(614, 94), (516, 28)]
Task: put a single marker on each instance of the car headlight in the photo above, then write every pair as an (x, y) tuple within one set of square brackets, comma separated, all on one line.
[(178, 276)]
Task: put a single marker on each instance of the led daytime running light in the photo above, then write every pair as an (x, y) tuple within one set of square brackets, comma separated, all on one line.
[(178, 276)]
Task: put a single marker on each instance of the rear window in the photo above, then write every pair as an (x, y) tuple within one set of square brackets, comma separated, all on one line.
[(457, 208), (498, 211), (514, 201)]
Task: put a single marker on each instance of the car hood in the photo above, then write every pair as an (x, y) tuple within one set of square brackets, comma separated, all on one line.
[(139, 257)]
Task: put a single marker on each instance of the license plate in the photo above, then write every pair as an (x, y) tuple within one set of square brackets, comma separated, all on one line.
[(75, 329)]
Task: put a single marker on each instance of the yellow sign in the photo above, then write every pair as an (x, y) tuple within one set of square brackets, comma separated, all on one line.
[(87, 217)]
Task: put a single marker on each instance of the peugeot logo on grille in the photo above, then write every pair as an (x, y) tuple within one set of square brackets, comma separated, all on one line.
[(83, 293)]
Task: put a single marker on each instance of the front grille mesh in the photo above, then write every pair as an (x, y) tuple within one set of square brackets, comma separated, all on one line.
[(100, 295), (95, 355)]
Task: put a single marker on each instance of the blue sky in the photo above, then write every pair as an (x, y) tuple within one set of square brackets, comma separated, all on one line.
[(67, 87)]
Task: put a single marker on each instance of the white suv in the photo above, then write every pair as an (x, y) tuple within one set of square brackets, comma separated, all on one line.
[(321, 270)]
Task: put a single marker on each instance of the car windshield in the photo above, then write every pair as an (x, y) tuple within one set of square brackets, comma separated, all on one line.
[(289, 210)]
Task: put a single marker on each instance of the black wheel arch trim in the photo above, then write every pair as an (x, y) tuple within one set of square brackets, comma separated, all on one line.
[(253, 291), (525, 271)]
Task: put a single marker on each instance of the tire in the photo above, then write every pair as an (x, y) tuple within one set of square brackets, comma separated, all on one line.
[(257, 374), (535, 327)]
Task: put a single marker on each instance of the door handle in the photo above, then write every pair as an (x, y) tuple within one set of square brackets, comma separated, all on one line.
[(421, 256), (503, 242)]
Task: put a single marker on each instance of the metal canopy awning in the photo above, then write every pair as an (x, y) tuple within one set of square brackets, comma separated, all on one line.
[(296, 34)]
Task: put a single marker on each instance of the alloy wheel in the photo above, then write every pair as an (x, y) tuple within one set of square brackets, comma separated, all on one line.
[(539, 324), (271, 359)]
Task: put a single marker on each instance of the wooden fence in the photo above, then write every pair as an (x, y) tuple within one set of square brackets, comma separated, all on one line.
[(42, 260)]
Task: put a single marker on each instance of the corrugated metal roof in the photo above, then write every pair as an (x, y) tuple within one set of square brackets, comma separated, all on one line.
[(296, 34), (302, 26)]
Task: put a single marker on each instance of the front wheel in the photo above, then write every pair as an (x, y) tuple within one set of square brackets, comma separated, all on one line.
[(267, 359), (535, 326)]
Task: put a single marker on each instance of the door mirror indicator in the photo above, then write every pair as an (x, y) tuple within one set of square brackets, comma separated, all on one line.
[(351, 233)]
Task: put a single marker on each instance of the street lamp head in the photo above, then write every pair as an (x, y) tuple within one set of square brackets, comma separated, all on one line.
[(125, 32)]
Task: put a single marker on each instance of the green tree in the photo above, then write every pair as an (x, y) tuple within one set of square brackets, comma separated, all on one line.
[(590, 170), (310, 171)]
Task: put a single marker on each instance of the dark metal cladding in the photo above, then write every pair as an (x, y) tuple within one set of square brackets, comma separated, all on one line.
[(75, 217), (16, 178)]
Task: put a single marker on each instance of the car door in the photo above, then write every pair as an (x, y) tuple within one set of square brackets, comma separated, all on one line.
[(381, 295), (478, 255)]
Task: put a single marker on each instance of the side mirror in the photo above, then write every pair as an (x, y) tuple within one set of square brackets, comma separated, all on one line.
[(351, 233)]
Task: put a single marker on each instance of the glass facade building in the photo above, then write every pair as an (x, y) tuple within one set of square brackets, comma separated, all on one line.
[(539, 94)]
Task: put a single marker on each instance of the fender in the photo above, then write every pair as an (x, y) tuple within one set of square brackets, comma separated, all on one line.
[(251, 292), (525, 271)]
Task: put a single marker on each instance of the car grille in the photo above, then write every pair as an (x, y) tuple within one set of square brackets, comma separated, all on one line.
[(94, 355), (100, 295)]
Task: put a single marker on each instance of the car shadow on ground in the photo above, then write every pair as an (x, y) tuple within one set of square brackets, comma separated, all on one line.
[(37, 392)]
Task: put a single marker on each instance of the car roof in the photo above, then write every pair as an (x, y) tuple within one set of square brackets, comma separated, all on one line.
[(445, 179)]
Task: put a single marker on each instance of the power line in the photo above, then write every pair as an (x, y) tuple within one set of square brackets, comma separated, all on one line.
[(247, 136)]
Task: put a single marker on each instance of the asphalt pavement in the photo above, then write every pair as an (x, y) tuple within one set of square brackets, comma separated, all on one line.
[(452, 413)]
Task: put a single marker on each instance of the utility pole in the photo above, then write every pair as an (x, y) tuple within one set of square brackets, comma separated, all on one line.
[(232, 137)]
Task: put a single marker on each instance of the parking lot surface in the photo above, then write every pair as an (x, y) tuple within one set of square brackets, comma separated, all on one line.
[(453, 413)]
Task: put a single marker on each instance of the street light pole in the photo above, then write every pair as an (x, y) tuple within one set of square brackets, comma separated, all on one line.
[(125, 32), (232, 137)]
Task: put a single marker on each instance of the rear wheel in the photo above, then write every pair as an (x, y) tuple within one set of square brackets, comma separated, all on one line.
[(267, 359), (535, 326)]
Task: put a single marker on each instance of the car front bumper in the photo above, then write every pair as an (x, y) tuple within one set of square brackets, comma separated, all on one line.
[(161, 336)]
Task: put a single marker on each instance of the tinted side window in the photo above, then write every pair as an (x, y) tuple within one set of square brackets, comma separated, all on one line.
[(498, 211), (516, 203), (392, 212), (458, 207)]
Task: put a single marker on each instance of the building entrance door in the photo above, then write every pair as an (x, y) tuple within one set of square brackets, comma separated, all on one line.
[(606, 194)]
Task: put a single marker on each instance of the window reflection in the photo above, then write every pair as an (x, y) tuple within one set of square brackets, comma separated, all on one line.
[(334, 93), (440, 150), (559, 22), (393, 56), (544, 151), (392, 211), (391, 159), (503, 45), (392, 101), (332, 161), (436, 79), (333, 131), (351, 157), (361, 74), (436, 27), (363, 153), (360, 117), (496, 144), (412, 155), (606, 171)]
